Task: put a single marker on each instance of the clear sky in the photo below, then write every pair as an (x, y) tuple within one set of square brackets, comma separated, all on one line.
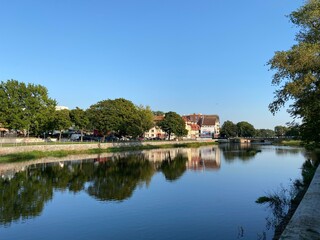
[(187, 56)]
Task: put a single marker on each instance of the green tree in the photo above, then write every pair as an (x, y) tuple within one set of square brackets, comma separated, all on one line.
[(173, 123), (264, 133), (119, 116), (61, 121), (280, 131), (228, 129), (158, 113), (146, 118), (80, 119), (245, 129), (293, 131), (25, 106), (297, 72)]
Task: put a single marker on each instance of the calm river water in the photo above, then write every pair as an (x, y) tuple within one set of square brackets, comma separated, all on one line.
[(200, 193)]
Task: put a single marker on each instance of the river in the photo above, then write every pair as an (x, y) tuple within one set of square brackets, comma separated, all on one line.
[(196, 193)]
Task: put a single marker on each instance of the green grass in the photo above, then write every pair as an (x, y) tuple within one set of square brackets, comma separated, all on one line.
[(294, 143), (32, 155)]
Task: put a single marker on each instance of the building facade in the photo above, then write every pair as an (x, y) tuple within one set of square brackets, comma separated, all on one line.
[(209, 125)]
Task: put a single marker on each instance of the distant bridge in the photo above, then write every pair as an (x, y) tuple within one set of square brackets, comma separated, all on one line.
[(257, 140)]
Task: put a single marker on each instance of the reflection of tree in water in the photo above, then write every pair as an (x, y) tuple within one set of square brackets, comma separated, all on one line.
[(173, 169), (287, 151), (23, 197), (25, 194), (284, 202), (233, 152), (116, 180)]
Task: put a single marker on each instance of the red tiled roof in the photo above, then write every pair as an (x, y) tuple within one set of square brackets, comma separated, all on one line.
[(208, 120), (158, 118), (194, 127)]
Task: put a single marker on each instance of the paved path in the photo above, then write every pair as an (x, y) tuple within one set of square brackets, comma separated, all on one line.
[(305, 223)]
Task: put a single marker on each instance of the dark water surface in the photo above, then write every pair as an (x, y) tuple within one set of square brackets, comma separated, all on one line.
[(204, 193)]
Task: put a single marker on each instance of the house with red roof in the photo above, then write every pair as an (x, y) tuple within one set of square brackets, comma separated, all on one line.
[(209, 125)]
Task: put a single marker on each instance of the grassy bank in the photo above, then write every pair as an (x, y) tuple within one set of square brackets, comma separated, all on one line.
[(32, 155), (292, 143)]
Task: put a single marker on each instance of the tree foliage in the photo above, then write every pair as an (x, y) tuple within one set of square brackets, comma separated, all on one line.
[(120, 116), (61, 121), (245, 129), (297, 72), (25, 106), (264, 133), (228, 129), (80, 119), (280, 131), (173, 123)]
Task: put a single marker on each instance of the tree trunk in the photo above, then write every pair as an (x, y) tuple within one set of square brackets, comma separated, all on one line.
[(81, 137), (60, 135)]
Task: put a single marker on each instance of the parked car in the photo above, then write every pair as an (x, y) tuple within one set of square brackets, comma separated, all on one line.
[(75, 137)]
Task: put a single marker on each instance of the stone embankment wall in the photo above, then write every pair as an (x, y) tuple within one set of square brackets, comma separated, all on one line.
[(305, 223), (78, 147)]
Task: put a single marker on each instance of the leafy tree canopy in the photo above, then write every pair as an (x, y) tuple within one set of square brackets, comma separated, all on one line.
[(25, 106), (61, 121), (120, 116), (280, 131), (297, 72), (173, 123), (80, 119), (245, 129), (158, 113), (264, 133), (228, 129)]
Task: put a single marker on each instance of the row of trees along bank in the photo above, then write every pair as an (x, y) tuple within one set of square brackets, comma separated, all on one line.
[(29, 109), (245, 129)]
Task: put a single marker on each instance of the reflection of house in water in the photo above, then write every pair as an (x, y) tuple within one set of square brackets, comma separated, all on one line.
[(207, 158), (204, 158), (159, 155)]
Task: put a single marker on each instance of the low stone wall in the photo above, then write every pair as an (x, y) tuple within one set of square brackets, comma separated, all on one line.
[(79, 147), (305, 223)]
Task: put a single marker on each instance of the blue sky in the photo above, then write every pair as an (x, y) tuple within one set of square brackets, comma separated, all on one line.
[(187, 56)]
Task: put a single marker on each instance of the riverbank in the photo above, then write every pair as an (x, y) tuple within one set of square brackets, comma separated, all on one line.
[(25, 153), (305, 222)]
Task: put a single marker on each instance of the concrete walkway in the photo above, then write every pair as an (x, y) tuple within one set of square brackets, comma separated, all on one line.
[(305, 223)]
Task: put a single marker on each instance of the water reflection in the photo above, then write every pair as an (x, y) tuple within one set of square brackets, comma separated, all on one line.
[(244, 152), (288, 150), (26, 187), (285, 201), (115, 180), (197, 159)]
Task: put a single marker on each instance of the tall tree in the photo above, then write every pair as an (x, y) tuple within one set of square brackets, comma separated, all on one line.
[(245, 129), (25, 106), (297, 72), (61, 121), (119, 116), (146, 118), (80, 119), (228, 129), (173, 123), (280, 131), (264, 133)]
